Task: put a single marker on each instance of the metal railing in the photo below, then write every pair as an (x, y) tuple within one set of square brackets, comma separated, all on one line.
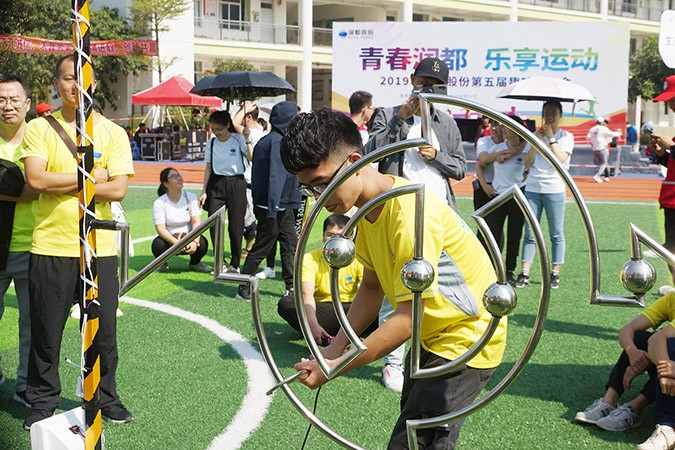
[(631, 9), (239, 30)]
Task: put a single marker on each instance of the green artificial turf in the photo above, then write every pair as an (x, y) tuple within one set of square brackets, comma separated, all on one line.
[(184, 385)]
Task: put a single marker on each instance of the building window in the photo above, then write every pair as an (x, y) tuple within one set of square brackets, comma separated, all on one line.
[(419, 17), (231, 13), (392, 18)]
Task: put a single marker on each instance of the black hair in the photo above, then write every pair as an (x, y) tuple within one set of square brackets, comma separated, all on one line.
[(12, 78), (316, 136), (222, 118), (262, 122), (253, 113), (59, 62), (335, 220), (163, 178), (358, 101), (520, 121), (555, 103)]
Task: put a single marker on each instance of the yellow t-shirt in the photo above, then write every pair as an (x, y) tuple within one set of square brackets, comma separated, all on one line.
[(662, 310), (316, 269), (454, 317), (56, 230), (24, 212)]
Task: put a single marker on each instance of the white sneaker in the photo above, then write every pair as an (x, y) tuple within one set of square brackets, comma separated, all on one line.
[(266, 274), (665, 290), (119, 313), (392, 377), (649, 253), (663, 438), (75, 311), (597, 179)]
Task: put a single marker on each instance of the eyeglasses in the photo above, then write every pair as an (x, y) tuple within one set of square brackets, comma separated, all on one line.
[(175, 176), (315, 191), (14, 102)]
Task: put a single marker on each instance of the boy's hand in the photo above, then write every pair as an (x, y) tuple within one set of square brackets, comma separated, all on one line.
[(312, 376), (639, 359), (667, 386), (628, 376), (666, 369)]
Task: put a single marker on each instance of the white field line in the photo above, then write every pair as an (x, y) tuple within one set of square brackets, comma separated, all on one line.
[(255, 403)]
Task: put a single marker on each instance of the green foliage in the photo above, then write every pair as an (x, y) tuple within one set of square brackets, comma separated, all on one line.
[(28, 19), (149, 17), (647, 70), (232, 65)]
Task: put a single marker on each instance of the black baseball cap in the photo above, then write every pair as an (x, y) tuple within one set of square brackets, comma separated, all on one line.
[(432, 68)]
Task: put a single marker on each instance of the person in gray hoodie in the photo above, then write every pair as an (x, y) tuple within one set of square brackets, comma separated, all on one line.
[(275, 197)]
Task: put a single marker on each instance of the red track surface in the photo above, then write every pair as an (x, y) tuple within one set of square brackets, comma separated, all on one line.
[(619, 188)]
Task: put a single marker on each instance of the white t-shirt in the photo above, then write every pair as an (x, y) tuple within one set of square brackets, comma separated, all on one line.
[(228, 156), (542, 178), (176, 216), (486, 145), (600, 136), (509, 172), (417, 169)]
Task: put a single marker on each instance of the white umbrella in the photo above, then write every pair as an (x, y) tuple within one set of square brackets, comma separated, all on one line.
[(546, 88)]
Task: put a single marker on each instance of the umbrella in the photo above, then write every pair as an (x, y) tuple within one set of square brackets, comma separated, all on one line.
[(237, 85), (546, 88)]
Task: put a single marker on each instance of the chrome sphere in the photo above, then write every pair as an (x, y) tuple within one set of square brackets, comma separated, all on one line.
[(417, 275), (638, 276), (339, 252), (500, 299)]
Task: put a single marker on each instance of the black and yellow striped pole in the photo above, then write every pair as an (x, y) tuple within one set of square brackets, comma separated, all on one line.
[(91, 371)]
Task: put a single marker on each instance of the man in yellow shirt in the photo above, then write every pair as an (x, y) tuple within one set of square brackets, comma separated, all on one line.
[(14, 104), (54, 278), (316, 288), (316, 147)]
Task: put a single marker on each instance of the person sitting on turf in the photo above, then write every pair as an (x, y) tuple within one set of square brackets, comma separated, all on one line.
[(175, 213), (316, 147), (605, 412), (662, 354), (316, 288)]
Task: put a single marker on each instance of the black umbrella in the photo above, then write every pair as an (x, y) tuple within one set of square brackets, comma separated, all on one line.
[(238, 85)]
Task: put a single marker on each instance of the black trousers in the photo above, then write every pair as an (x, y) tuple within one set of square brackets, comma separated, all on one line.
[(231, 193), (270, 231), (325, 314), (159, 246), (54, 282), (616, 376), (495, 222), (430, 397), (669, 223), (480, 198)]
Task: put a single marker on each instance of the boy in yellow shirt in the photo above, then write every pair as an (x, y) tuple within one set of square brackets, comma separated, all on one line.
[(316, 147)]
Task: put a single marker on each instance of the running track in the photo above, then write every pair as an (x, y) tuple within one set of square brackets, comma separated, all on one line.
[(619, 188)]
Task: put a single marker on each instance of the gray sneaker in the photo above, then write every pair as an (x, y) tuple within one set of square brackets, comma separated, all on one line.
[(622, 418), (595, 412)]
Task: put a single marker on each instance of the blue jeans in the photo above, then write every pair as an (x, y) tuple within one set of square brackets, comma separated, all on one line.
[(664, 410), (554, 205)]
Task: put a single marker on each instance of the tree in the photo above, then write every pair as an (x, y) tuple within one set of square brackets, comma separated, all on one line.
[(27, 17), (232, 65), (150, 17), (647, 70)]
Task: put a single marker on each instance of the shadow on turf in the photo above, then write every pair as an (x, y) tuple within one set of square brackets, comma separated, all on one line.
[(559, 326), (19, 411)]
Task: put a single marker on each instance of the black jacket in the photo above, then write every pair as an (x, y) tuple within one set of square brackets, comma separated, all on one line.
[(272, 185)]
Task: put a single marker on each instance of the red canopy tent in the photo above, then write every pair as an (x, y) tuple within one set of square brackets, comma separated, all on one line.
[(174, 92)]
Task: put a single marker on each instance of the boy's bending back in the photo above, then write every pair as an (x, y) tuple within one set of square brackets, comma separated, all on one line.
[(316, 147)]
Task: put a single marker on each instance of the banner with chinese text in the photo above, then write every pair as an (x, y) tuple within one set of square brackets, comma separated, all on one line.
[(484, 57), (26, 44)]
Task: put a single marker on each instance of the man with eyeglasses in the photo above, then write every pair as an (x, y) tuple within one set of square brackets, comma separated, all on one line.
[(54, 276), (275, 197), (16, 222)]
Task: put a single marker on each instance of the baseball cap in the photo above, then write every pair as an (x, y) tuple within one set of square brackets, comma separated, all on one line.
[(432, 68), (648, 127), (600, 119), (43, 107), (668, 90)]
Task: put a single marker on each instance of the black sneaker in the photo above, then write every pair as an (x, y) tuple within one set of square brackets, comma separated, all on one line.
[(36, 415), (555, 281), (243, 294), (522, 281), (510, 278), (116, 414), (20, 396)]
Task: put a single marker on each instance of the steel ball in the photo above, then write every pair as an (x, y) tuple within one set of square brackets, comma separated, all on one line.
[(339, 251), (500, 299), (417, 275), (638, 276)]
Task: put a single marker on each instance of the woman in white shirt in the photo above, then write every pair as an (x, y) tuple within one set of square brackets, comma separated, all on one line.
[(175, 213), (508, 168)]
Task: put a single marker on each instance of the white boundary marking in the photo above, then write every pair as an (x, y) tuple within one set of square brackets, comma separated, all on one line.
[(256, 403)]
